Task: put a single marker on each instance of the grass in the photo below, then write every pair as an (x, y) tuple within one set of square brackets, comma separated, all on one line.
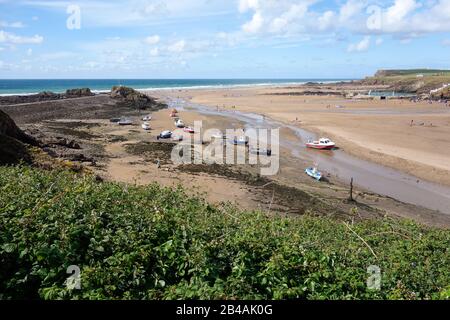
[(155, 243)]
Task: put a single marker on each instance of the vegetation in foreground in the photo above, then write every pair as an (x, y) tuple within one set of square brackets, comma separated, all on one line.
[(154, 243)]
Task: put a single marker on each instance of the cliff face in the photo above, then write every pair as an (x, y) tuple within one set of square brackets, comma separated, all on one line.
[(13, 142)]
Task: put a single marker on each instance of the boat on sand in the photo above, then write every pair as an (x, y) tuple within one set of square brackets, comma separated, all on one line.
[(314, 173), (179, 123), (323, 143), (242, 140), (125, 122), (260, 151), (146, 126), (188, 130), (164, 135)]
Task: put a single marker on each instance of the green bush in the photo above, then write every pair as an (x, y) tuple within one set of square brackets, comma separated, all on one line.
[(156, 243)]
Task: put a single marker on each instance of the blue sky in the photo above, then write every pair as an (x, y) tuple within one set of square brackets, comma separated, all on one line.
[(220, 38)]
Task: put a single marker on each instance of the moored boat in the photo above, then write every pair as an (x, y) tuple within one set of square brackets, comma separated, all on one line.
[(147, 118), (165, 135), (314, 173), (260, 151), (125, 122), (242, 140), (323, 143), (188, 130), (146, 126), (177, 137), (179, 123)]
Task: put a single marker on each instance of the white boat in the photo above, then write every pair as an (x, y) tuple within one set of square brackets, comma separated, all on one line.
[(125, 122), (219, 136), (323, 143), (147, 118), (188, 130), (146, 126), (242, 140), (179, 123), (314, 173), (165, 135), (177, 138), (260, 151)]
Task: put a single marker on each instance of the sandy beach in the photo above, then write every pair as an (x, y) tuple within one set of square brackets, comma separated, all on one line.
[(130, 154), (413, 137)]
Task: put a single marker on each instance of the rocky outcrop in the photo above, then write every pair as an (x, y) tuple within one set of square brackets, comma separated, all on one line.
[(133, 99), (13, 142), (9, 128), (45, 96), (76, 93)]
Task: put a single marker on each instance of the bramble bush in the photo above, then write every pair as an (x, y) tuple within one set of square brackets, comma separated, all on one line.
[(157, 243)]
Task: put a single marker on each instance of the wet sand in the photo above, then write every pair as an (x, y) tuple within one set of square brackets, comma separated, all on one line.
[(378, 131), (128, 154)]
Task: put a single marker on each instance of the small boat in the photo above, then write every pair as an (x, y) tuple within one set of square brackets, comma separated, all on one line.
[(323, 143), (177, 138), (260, 151), (147, 118), (219, 136), (188, 130), (179, 123), (146, 126), (173, 115), (314, 173), (125, 122), (165, 135), (242, 140)]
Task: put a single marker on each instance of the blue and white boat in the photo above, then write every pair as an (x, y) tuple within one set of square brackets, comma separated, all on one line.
[(314, 173), (243, 140)]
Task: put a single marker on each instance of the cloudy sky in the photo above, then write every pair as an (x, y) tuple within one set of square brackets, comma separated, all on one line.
[(220, 38)]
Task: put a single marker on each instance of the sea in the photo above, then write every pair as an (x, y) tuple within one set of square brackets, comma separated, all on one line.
[(23, 87)]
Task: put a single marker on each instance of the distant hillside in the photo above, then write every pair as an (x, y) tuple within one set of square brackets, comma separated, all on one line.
[(415, 72), (420, 81)]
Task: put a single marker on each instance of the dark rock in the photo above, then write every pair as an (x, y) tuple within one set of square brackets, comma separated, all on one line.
[(9, 128), (45, 96), (131, 98), (83, 92), (13, 151)]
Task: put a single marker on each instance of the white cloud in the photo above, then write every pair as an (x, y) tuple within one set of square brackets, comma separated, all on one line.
[(151, 40), (351, 9), (16, 24), (177, 47), (361, 46), (11, 38), (326, 20), (30, 52), (154, 52), (246, 5), (254, 25)]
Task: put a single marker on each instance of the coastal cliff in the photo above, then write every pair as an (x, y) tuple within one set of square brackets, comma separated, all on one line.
[(419, 81)]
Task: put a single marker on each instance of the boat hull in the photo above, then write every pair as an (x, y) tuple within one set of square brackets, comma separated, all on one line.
[(320, 147), (313, 174)]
